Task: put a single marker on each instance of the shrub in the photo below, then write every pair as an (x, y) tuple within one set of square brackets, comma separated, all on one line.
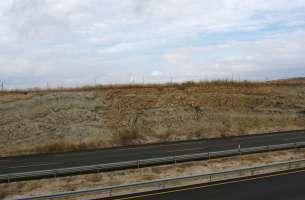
[(126, 137), (129, 137)]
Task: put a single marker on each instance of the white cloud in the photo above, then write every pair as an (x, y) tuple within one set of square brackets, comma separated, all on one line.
[(156, 73), (280, 52), (42, 38)]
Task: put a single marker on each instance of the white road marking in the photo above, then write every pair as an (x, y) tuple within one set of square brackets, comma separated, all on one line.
[(192, 149), (253, 137), (269, 135), (127, 149), (295, 138), (33, 165)]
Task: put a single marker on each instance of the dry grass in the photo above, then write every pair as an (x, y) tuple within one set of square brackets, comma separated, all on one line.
[(64, 146), (59, 147), (180, 86), (126, 137), (56, 185), (66, 119), (123, 137), (3, 193)]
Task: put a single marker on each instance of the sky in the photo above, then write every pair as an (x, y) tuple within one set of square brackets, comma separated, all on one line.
[(64, 43)]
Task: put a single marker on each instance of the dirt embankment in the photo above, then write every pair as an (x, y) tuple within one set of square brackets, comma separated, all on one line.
[(58, 120)]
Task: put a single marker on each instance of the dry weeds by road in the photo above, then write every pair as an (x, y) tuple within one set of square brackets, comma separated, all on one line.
[(47, 186)]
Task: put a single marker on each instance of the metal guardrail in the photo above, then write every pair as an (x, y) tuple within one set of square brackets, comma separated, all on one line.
[(166, 183), (142, 163)]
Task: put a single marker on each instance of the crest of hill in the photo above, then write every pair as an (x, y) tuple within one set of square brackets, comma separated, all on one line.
[(297, 80), (181, 86)]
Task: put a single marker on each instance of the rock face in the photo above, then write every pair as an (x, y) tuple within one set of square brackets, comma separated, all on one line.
[(59, 120)]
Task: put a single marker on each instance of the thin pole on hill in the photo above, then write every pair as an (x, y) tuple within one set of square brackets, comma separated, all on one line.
[(2, 85)]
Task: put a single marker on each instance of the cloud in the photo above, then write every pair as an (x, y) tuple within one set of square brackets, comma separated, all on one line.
[(156, 73), (51, 40), (280, 52)]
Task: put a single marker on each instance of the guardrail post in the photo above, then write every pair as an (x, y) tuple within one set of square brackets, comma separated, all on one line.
[(138, 163), (110, 192), (163, 185), (209, 155), (8, 179), (210, 178)]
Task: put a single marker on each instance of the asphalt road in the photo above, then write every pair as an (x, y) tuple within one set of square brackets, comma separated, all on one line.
[(283, 186), (91, 157)]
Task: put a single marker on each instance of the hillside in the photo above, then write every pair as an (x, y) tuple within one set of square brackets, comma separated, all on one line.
[(300, 80), (98, 117)]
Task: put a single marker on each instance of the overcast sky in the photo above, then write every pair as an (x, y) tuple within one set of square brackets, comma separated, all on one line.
[(76, 42)]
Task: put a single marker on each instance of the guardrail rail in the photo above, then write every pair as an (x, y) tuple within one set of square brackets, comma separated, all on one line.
[(170, 183), (144, 163)]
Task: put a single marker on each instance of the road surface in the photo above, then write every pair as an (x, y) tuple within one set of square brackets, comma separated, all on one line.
[(284, 186), (91, 157)]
